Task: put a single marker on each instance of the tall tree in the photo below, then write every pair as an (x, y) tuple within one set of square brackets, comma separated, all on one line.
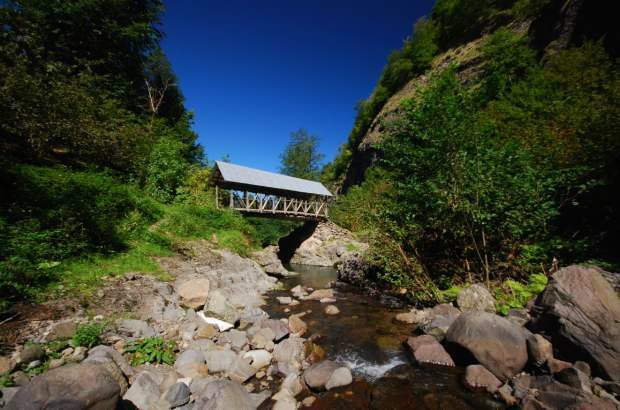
[(301, 157)]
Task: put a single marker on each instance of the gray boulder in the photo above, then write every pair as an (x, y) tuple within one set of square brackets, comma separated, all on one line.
[(476, 297), (495, 342), (177, 394), (135, 328), (82, 386), (224, 395), (219, 360), (585, 310), (220, 307), (317, 375), (144, 390), (340, 377), (194, 292), (289, 351)]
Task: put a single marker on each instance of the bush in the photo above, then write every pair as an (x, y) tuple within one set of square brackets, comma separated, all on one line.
[(88, 335), (151, 350), (165, 169)]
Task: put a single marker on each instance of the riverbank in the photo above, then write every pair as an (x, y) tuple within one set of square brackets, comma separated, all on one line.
[(224, 334)]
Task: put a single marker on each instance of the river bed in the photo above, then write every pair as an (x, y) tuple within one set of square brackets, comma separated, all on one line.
[(365, 337)]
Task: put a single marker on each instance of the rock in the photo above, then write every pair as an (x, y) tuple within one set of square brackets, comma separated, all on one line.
[(415, 317), (6, 394), (575, 378), (206, 331), (476, 297), (279, 328), (219, 306), (284, 300), (327, 300), (79, 354), (219, 360), (224, 395), (259, 398), (540, 349), (432, 353), (327, 245), (498, 344), (191, 363), (20, 378), (331, 310), (555, 366), (340, 377), (144, 390), (438, 326), (285, 402), (289, 351), (585, 310), (269, 261), (221, 325), (81, 386), (187, 331), (416, 341), (298, 291), (62, 330), (236, 338), (292, 383), (56, 363), (519, 316), (584, 367), (477, 376), (505, 393), (6, 364), (258, 358), (177, 395), (262, 338), (297, 326), (320, 294), (101, 353), (308, 401), (135, 328), (240, 370), (317, 375), (30, 354)]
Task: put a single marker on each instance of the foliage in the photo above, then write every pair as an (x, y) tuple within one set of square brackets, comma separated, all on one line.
[(301, 157), (88, 335), (496, 178), (165, 169), (268, 231), (151, 350), (514, 295)]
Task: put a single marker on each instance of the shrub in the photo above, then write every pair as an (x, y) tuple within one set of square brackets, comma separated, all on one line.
[(88, 335), (165, 169), (151, 350)]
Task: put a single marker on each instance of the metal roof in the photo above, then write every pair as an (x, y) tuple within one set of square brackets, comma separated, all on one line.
[(249, 176)]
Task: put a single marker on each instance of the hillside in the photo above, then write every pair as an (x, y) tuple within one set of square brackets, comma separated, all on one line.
[(484, 159)]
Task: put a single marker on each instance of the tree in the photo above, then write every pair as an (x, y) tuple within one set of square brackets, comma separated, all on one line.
[(301, 157)]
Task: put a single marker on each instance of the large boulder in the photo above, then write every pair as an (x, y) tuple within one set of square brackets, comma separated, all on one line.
[(317, 375), (82, 386), (427, 350), (476, 297), (584, 310), (224, 395), (269, 261), (220, 307), (495, 342), (194, 292)]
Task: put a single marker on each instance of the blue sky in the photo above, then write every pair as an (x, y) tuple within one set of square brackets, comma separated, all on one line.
[(253, 71)]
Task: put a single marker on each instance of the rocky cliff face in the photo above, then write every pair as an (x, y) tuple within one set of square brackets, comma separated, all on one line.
[(562, 23), (328, 245)]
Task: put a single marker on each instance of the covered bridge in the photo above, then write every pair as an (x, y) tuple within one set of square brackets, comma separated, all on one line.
[(254, 191)]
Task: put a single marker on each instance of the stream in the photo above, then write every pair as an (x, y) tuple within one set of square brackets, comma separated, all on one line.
[(366, 338)]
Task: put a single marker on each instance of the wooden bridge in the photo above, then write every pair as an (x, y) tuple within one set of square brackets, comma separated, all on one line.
[(265, 193)]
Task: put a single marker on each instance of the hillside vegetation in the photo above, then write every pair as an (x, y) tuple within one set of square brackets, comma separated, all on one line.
[(499, 174), (100, 167)]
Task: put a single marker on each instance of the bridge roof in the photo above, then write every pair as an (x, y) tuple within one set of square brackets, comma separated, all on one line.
[(237, 174)]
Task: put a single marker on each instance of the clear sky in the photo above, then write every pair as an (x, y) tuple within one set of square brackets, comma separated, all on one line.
[(253, 71)]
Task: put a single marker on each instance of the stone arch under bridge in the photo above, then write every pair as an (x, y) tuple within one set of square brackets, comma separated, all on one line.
[(266, 193)]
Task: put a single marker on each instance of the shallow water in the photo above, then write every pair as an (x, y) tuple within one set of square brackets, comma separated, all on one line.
[(366, 337)]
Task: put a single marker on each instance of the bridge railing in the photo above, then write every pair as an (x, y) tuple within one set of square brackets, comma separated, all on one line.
[(255, 202)]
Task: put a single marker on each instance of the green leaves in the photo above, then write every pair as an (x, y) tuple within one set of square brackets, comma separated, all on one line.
[(301, 157), (88, 335), (151, 350)]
